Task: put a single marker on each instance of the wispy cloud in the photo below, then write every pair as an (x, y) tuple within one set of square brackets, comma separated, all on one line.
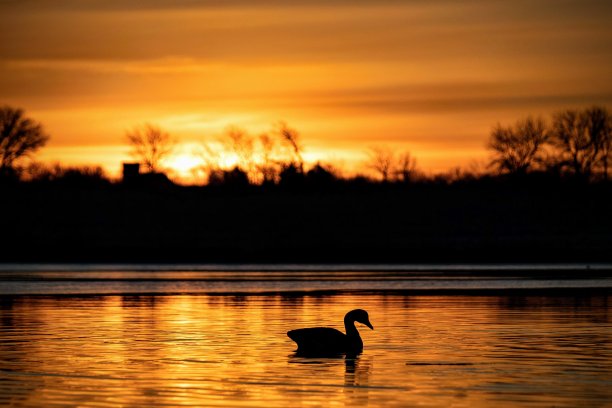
[(97, 5), (411, 30)]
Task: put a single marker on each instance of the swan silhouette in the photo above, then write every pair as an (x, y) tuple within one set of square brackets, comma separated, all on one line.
[(322, 341)]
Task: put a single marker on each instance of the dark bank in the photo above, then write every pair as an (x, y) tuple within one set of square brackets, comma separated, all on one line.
[(486, 220)]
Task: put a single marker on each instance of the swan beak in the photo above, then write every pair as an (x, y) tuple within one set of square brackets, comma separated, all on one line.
[(369, 325)]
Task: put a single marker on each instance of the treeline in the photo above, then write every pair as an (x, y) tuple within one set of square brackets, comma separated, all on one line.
[(536, 201), (574, 145)]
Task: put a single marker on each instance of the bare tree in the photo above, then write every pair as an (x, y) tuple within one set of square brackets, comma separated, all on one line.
[(211, 161), (405, 167), (242, 145), (381, 160), (267, 167), (518, 149), (599, 125), (582, 139), (151, 145), (19, 137), (291, 137)]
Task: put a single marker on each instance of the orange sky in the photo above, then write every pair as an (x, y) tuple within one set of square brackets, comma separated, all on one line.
[(432, 77)]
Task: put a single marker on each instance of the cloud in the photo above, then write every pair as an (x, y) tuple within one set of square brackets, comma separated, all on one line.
[(333, 89), (384, 31), (553, 6), (140, 5), (466, 103)]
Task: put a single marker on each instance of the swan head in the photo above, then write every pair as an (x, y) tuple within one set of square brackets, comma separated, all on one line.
[(359, 316)]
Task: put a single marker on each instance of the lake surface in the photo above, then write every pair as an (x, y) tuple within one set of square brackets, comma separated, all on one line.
[(145, 337), (182, 279)]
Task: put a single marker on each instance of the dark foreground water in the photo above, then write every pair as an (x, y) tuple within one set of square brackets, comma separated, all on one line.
[(124, 348)]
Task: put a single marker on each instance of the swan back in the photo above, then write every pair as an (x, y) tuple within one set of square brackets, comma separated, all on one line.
[(319, 340)]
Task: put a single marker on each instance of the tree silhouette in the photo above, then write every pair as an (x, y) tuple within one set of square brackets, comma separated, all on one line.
[(518, 148), (268, 167), (242, 145), (405, 167), (19, 137), (91, 176), (381, 160), (235, 177), (582, 139), (599, 125), (291, 176), (321, 175), (151, 145), (291, 137)]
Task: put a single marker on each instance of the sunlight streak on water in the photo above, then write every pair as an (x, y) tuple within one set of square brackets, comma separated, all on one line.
[(231, 350)]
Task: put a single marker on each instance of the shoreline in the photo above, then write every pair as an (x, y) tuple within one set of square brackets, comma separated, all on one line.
[(100, 281), (420, 225)]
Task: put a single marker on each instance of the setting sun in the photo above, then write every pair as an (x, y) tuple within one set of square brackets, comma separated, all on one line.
[(184, 165)]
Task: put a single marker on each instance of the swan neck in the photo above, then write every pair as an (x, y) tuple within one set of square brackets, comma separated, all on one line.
[(349, 326)]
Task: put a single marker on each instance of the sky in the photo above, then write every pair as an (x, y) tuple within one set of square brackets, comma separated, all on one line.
[(430, 77)]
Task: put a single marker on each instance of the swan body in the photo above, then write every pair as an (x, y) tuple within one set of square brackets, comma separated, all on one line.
[(328, 341)]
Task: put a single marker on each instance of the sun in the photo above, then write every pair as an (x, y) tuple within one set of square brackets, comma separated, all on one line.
[(183, 164)]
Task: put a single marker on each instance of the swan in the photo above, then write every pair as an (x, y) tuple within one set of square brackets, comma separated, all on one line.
[(328, 341)]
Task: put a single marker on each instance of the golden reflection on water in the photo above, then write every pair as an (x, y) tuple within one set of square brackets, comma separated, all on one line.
[(232, 351)]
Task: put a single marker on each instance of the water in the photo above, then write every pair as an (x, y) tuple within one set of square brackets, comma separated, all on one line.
[(215, 348), (174, 279)]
